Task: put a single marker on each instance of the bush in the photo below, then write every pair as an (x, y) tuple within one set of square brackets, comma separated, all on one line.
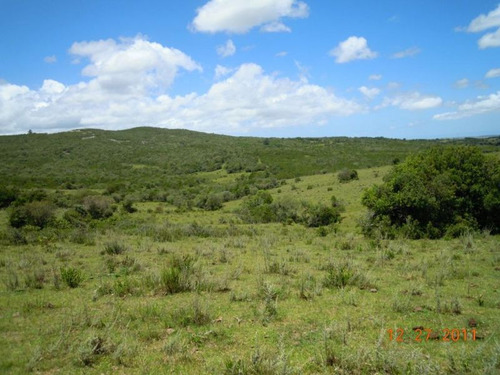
[(346, 175), (98, 206), (38, 213), (128, 206), (7, 196), (445, 190), (321, 215)]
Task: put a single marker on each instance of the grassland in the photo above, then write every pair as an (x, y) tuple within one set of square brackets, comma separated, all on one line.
[(185, 290)]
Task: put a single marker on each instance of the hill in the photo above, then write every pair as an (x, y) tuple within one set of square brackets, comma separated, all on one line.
[(93, 158)]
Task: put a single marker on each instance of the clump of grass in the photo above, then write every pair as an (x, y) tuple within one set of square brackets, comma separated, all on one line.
[(35, 279), (308, 287), (114, 248), (193, 315), (12, 282), (71, 276), (90, 350), (262, 363), (341, 274)]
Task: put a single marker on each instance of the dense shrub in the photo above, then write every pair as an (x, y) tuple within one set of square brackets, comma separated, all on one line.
[(7, 196), (346, 175), (98, 206), (38, 214), (444, 190), (262, 208), (211, 202), (322, 215)]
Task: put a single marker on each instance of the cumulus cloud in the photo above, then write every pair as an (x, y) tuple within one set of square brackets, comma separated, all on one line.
[(493, 73), (412, 101), (409, 52), (485, 21), (480, 105), (490, 40), (227, 49), (239, 16), (50, 59), (375, 77), (117, 94), (353, 48), (131, 66), (370, 93)]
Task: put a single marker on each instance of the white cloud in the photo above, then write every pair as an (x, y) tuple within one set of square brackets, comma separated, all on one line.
[(370, 93), (375, 77), (275, 27), (462, 83), (484, 22), (412, 51), (282, 54), (227, 49), (353, 48), (221, 71), (490, 40), (482, 104), (239, 16), (52, 87), (413, 101), (131, 66), (493, 73), (50, 59), (245, 98)]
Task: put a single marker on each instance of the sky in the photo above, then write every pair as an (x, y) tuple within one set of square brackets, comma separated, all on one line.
[(269, 68)]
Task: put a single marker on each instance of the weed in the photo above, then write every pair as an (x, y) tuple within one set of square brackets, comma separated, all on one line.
[(193, 315), (342, 274), (114, 248), (12, 281), (308, 287), (35, 279), (71, 276)]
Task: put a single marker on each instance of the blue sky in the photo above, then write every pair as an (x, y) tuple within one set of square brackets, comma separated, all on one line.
[(285, 68)]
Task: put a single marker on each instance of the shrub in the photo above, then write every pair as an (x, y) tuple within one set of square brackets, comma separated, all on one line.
[(128, 206), (346, 175), (37, 213), (98, 206), (445, 190), (7, 196), (321, 215)]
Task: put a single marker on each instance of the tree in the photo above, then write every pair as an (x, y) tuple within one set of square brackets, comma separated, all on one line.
[(444, 190), (346, 175)]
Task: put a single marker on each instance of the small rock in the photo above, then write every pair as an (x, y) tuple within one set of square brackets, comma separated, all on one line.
[(16, 315), (472, 322), (170, 331), (373, 290), (218, 320), (418, 309)]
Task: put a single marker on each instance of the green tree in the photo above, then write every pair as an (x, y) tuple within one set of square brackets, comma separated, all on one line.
[(441, 191)]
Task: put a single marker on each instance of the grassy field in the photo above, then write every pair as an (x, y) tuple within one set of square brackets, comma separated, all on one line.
[(168, 290)]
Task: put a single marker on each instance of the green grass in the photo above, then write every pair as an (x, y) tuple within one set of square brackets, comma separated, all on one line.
[(255, 298), (173, 288)]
